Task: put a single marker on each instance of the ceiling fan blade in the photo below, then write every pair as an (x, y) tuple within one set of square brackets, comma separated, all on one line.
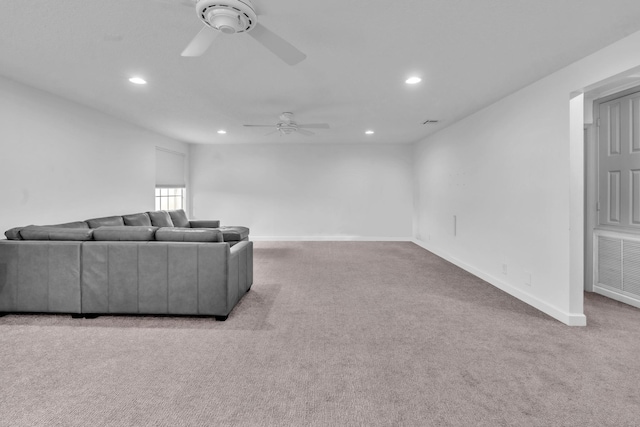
[(314, 126), (271, 133), (200, 42), (305, 132), (276, 44), (258, 126)]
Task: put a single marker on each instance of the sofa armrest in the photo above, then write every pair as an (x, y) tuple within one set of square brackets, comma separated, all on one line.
[(241, 254), (204, 223)]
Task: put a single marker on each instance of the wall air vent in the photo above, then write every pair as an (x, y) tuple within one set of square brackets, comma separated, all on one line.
[(430, 122), (617, 269)]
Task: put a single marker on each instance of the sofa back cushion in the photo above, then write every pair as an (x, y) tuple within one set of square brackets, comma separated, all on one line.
[(124, 233), (188, 235), (179, 218), (13, 233), (105, 221), (204, 223), (137, 219), (38, 232), (75, 224), (160, 219)]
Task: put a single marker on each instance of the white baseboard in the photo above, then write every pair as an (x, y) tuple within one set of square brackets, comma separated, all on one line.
[(570, 319), (329, 239)]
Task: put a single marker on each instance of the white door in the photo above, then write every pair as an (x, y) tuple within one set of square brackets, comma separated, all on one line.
[(619, 163), (617, 234)]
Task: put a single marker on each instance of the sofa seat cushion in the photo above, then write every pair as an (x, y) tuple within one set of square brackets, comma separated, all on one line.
[(38, 232), (160, 219), (140, 219), (188, 235), (234, 233), (179, 218), (125, 233), (105, 221)]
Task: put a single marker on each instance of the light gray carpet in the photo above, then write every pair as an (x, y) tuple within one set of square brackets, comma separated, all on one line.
[(331, 334)]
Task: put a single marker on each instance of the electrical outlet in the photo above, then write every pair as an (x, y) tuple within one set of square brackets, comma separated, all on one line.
[(528, 277), (504, 269)]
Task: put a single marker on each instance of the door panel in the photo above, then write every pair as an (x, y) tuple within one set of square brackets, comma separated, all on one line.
[(613, 119), (635, 125), (613, 205), (635, 197)]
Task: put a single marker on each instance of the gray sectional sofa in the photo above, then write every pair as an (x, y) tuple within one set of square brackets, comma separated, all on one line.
[(146, 263)]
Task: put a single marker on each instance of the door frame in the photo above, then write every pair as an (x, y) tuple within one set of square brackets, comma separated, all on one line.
[(590, 199), (591, 166)]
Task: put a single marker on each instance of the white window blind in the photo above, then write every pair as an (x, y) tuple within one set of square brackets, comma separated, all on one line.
[(170, 169)]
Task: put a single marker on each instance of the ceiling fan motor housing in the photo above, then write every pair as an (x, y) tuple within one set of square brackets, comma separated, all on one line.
[(227, 16), (286, 124)]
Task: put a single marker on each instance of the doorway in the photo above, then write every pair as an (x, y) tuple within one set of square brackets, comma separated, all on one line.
[(612, 196)]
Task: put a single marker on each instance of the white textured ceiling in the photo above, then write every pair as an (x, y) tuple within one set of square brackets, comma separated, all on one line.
[(359, 52)]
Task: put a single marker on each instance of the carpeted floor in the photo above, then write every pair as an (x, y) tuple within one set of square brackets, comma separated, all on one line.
[(331, 334)]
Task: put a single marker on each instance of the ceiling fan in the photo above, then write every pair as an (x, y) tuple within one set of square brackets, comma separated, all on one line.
[(287, 126), (237, 16)]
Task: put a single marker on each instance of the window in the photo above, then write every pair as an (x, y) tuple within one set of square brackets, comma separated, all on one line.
[(170, 180), (169, 198)]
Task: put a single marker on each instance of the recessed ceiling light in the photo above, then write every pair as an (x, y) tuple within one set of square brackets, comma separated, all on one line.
[(369, 132), (413, 80), (222, 132), (138, 81)]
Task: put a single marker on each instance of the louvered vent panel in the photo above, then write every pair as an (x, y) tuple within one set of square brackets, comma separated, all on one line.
[(610, 262), (631, 267)]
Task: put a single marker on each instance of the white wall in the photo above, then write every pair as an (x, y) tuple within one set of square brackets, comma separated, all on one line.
[(306, 191), (506, 172), (62, 161)]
